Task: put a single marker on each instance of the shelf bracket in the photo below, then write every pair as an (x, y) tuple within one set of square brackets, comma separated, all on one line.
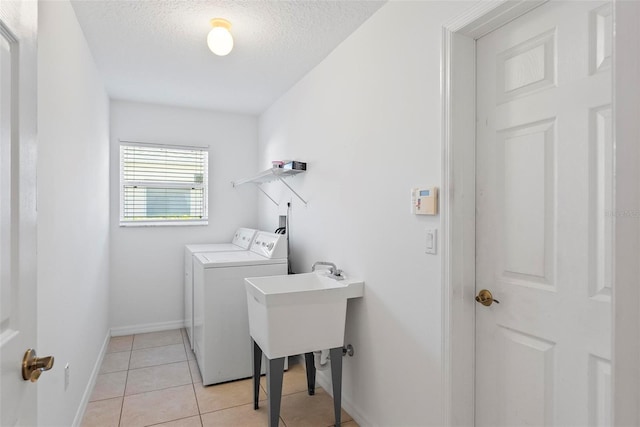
[(292, 190), (265, 193)]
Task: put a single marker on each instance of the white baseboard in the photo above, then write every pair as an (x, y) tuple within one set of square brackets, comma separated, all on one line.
[(146, 327), (77, 421)]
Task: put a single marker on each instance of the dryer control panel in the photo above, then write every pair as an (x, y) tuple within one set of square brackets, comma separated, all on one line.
[(270, 245), (244, 237)]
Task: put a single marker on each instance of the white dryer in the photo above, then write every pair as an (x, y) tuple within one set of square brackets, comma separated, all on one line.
[(222, 343), (241, 241)]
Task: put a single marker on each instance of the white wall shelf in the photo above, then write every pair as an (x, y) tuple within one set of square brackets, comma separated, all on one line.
[(270, 175)]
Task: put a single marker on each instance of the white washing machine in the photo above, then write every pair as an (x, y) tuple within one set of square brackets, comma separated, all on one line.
[(222, 343), (241, 242)]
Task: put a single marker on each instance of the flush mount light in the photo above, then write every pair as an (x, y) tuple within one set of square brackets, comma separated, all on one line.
[(219, 39)]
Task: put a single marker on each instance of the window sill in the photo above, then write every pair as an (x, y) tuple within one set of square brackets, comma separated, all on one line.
[(162, 223)]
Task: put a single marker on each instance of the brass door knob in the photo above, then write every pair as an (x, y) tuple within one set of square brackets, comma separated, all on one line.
[(485, 298), (33, 367)]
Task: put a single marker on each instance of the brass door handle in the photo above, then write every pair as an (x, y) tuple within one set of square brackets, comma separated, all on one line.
[(33, 367), (485, 298)]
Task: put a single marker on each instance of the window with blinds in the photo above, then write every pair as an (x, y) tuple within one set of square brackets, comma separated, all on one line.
[(161, 184)]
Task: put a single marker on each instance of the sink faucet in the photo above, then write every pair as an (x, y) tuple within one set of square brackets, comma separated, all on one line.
[(334, 271)]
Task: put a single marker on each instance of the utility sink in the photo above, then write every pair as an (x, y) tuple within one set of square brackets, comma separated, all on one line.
[(299, 313)]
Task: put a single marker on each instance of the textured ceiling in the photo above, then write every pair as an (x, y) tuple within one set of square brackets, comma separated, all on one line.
[(155, 50)]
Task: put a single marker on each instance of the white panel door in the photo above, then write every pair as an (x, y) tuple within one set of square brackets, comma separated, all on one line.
[(18, 25), (544, 223)]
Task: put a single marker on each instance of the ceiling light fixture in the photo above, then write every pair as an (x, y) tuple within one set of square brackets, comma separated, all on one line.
[(220, 40)]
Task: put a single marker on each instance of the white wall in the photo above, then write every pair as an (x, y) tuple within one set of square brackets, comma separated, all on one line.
[(367, 120), (147, 262), (73, 212)]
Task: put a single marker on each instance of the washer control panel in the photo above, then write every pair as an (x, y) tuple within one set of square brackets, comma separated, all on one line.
[(270, 245)]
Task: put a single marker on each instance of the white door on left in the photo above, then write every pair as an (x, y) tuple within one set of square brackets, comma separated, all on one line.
[(18, 114)]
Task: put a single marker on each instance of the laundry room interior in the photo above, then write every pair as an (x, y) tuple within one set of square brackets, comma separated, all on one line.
[(324, 137)]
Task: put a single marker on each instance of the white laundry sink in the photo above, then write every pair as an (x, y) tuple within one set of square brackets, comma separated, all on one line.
[(299, 313)]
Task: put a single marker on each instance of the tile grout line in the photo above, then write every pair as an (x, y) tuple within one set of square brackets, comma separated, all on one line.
[(159, 364), (193, 386), (186, 359), (157, 389), (195, 395), (123, 392), (155, 366), (229, 407), (155, 346), (125, 383), (170, 421), (185, 341)]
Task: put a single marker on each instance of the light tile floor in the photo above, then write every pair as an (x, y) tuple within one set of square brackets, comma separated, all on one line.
[(153, 379)]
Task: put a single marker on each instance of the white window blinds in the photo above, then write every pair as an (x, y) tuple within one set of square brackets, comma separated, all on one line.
[(163, 184)]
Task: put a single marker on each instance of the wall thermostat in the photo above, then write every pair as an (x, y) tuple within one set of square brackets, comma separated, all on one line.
[(424, 201)]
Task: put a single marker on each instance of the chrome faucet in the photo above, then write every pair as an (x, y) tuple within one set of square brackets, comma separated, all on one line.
[(334, 271)]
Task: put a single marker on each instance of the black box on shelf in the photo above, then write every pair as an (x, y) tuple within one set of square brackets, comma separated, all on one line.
[(301, 166)]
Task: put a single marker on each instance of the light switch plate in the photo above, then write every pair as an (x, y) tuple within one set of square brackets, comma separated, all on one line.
[(431, 241)]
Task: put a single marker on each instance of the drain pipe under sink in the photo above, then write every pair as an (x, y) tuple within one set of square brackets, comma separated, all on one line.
[(321, 360)]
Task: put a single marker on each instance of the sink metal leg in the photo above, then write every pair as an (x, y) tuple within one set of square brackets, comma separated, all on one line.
[(336, 380), (275, 370), (257, 366), (311, 373)]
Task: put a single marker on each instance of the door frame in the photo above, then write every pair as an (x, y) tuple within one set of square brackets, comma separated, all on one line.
[(458, 200)]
